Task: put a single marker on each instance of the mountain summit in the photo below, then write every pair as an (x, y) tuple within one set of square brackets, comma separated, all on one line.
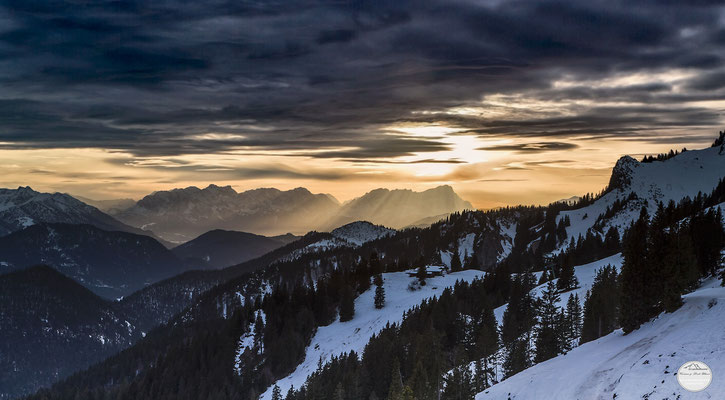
[(179, 215), (400, 208), (24, 207)]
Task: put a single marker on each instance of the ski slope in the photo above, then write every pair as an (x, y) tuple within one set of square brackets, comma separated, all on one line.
[(342, 337)]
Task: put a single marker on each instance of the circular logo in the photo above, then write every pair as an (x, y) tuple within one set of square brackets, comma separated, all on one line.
[(694, 376)]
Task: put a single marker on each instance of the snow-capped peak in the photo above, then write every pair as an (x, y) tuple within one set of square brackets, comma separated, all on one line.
[(360, 232)]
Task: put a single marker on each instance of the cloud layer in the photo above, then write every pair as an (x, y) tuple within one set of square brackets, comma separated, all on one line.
[(331, 80)]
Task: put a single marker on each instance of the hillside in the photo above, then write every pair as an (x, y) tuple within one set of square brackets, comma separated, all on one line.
[(641, 365), (220, 248), (111, 264), (52, 327), (342, 337), (635, 184)]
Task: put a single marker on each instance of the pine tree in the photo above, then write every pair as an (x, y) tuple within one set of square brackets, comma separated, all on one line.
[(601, 305), (487, 345), (395, 391), (679, 268), (638, 298), (573, 317), (455, 259), (421, 274), (518, 357), (544, 277), (459, 384), (519, 319), (347, 304), (550, 336), (471, 262), (339, 392), (276, 393), (379, 292), (258, 329), (567, 279)]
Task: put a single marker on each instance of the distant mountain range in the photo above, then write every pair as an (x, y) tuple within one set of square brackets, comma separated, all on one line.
[(399, 208), (112, 206), (181, 214)]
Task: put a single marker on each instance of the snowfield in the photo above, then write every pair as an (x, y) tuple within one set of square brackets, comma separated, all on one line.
[(342, 337), (641, 365)]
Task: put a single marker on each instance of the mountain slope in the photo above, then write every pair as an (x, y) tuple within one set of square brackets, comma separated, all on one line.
[(340, 337), (181, 214), (640, 365), (110, 207), (23, 207), (111, 264), (361, 232), (634, 184), (399, 208), (52, 327), (220, 248)]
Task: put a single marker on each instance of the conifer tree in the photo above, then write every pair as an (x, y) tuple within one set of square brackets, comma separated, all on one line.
[(347, 304), (679, 268), (518, 322), (487, 345), (339, 392), (544, 277), (471, 261), (567, 279), (459, 384), (421, 274), (276, 393), (549, 334), (573, 317), (395, 391), (638, 296), (455, 259), (601, 305), (379, 292)]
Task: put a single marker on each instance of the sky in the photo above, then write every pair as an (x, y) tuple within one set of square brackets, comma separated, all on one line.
[(509, 102)]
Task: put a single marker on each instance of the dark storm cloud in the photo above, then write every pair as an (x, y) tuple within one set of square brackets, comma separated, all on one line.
[(327, 77)]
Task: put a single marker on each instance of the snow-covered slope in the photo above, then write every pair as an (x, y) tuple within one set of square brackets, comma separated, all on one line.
[(641, 365), (361, 232), (585, 275), (674, 179), (341, 337)]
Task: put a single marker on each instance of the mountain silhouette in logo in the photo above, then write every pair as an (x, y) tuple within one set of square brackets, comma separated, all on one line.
[(694, 367)]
